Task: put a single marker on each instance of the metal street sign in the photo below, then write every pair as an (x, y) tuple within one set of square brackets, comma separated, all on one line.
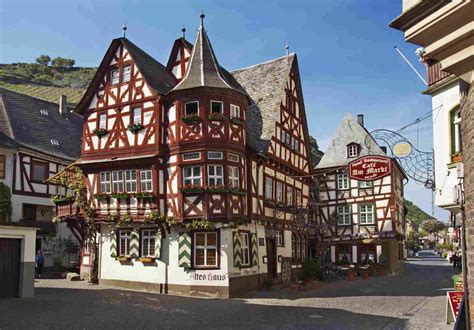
[(370, 168)]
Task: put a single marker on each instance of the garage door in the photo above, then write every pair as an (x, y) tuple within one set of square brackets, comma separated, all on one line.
[(10, 250)]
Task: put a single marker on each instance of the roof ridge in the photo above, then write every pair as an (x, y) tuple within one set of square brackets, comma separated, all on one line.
[(145, 53), (263, 63)]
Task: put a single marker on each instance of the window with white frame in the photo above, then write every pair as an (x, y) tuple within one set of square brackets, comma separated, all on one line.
[(205, 249), (245, 246), (137, 115), (117, 181), (344, 215), (130, 180), (366, 214), (191, 108), (279, 192), (126, 71), (366, 184), (352, 150), (232, 157), (268, 188), (146, 183), (148, 243), (283, 136), (105, 186), (456, 146), (217, 107), (192, 156), (234, 177), (103, 121), (279, 237), (192, 176), (299, 198), (289, 196), (114, 77), (125, 236), (214, 155), (342, 181), (288, 138), (234, 111), (215, 175)]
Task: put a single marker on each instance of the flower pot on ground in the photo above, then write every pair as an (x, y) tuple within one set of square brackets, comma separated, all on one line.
[(351, 275), (365, 274)]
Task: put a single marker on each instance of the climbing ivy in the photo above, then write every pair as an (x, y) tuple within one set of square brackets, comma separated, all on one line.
[(5, 203)]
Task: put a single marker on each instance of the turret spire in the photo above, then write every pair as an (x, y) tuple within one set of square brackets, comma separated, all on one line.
[(124, 29), (183, 30), (202, 18)]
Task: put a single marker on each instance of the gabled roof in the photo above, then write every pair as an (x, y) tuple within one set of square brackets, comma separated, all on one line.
[(154, 73), (265, 85), (349, 131), (28, 127), (203, 69), (174, 50)]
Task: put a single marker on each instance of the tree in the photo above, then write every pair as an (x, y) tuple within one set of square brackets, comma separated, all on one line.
[(43, 60), (63, 63), (316, 154), (433, 226), (5, 203)]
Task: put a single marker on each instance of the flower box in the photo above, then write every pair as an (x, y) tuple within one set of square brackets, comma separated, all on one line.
[(192, 190), (144, 195), (237, 191), (120, 196), (270, 202), (146, 260), (135, 128), (100, 132), (455, 158), (237, 121), (123, 258), (190, 119), (101, 197), (216, 117), (217, 188), (60, 199)]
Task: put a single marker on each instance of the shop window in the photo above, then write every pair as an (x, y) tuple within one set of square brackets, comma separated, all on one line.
[(215, 175), (367, 254), (344, 255), (205, 249)]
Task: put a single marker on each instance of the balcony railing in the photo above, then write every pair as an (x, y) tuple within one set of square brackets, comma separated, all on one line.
[(66, 208), (435, 74)]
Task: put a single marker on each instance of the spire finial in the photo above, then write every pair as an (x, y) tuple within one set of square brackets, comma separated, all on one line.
[(202, 17), (124, 28), (287, 49), (183, 30)]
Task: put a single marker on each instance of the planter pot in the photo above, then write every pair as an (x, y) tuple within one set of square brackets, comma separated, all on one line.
[(146, 260), (365, 275), (351, 276), (380, 272)]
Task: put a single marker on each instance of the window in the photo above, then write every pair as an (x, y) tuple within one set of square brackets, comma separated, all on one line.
[(367, 252), (245, 249), (130, 180), (456, 145), (105, 187), (54, 142), (192, 176), (117, 181), (344, 254), (148, 243), (344, 215), (279, 238), (29, 212), (124, 242), (366, 214), (298, 246), (114, 77), (215, 175), (191, 108), (2, 166), (205, 249), (39, 171), (126, 70), (216, 107), (352, 150), (234, 177), (279, 192), (145, 180), (289, 196), (192, 156), (366, 184), (214, 155), (269, 188), (103, 121), (282, 136), (137, 115), (233, 157), (234, 111), (297, 145), (342, 181), (299, 198)]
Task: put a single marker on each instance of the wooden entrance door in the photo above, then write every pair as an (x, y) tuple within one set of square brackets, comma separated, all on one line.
[(10, 250), (271, 258)]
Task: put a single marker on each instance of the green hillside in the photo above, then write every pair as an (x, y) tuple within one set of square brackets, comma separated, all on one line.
[(415, 214)]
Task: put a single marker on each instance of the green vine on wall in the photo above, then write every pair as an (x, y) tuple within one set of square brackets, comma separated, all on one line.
[(5, 203), (200, 224)]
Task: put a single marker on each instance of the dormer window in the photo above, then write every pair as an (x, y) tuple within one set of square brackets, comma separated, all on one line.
[(217, 107), (114, 77), (126, 70), (352, 150), (191, 108)]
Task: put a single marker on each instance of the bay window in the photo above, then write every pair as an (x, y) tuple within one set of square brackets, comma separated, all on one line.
[(105, 187), (146, 183), (130, 180), (205, 249), (148, 243), (191, 108), (234, 177), (192, 176), (366, 214), (215, 175)]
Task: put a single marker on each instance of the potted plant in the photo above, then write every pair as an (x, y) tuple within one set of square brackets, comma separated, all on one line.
[(146, 195), (123, 258), (237, 121), (146, 260), (189, 119), (192, 188), (351, 274), (100, 132), (216, 117), (120, 196), (456, 157), (135, 127)]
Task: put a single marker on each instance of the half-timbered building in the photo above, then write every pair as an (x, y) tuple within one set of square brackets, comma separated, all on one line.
[(193, 171), (37, 140), (359, 221)]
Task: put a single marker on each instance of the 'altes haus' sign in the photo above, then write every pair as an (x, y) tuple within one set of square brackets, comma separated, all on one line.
[(369, 168)]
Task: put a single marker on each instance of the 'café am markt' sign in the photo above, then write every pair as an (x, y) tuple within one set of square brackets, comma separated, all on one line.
[(369, 168)]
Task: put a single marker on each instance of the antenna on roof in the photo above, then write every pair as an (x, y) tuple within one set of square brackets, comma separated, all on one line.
[(183, 30), (124, 28)]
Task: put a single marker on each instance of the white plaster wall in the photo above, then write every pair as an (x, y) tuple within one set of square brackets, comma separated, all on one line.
[(8, 180), (28, 237), (443, 101)]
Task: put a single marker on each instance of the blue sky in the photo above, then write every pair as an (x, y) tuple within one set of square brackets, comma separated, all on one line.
[(345, 50)]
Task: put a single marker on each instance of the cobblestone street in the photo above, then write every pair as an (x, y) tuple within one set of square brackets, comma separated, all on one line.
[(414, 300)]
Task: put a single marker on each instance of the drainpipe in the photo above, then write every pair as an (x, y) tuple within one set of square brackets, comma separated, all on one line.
[(257, 188)]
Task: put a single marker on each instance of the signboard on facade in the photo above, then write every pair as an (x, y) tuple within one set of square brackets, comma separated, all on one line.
[(401, 149), (454, 299), (369, 168)]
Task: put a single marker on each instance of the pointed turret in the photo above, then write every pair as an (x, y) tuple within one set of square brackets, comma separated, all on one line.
[(203, 70)]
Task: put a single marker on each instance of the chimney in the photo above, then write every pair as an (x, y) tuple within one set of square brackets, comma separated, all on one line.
[(62, 104), (360, 120)]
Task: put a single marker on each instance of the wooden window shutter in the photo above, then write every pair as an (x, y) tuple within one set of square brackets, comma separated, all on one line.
[(134, 244), (254, 250), (113, 244), (184, 250), (237, 246), (158, 244)]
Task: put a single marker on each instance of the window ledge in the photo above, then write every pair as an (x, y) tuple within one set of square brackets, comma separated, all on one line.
[(454, 164)]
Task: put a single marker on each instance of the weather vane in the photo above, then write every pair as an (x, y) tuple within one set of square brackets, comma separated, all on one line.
[(124, 28)]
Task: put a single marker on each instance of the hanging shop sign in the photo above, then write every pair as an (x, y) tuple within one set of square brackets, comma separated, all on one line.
[(370, 168), (401, 149), (453, 304)]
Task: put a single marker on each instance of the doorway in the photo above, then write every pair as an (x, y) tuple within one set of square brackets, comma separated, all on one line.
[(271, 258), (10, 250)]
